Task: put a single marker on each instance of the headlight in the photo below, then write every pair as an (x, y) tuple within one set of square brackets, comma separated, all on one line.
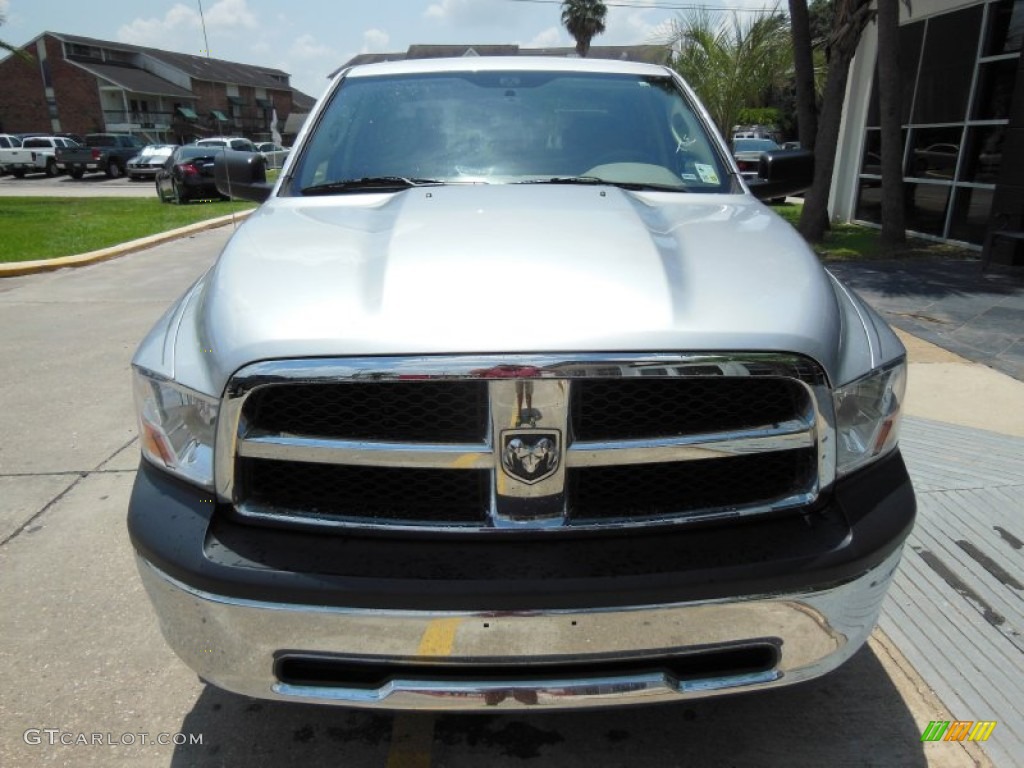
[(176, 427), (868, 416)]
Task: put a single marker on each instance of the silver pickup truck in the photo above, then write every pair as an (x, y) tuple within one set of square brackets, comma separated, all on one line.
[(512, 394)]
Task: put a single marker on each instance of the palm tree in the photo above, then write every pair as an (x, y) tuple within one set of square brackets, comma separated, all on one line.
[(731, 63), (890, 109), (584, 20), (5, 46), (851, 16)]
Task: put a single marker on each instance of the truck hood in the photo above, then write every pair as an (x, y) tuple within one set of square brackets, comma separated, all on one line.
[(511, 268)]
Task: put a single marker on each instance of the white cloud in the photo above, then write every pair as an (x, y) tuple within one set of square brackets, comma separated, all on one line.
[(307, 47), (4, 6), (225, 15), (375, 41), (229, 14), (469, 13), (549, 38)]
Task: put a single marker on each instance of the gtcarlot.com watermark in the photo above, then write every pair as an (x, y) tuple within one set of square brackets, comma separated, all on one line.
[(57, 737)]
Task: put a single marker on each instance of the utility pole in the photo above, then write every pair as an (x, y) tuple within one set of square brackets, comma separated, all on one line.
[(203, 20)]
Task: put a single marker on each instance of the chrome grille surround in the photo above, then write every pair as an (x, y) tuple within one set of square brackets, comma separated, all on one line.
[(527, 392)]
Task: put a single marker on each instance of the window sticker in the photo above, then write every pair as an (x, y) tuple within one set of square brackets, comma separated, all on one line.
[(689, 177), (707, 173)]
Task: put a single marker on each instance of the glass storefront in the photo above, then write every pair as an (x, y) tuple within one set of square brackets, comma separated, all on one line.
[(959, 73)]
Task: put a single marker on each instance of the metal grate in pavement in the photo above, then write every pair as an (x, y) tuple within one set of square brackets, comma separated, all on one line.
[(956, 607)]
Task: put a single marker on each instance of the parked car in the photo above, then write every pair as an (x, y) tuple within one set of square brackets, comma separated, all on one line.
[(107, 153), (37, 154), (149, 161), (748, 154), (273, 154), (514, 357), (8, 140), (936, 160), (188, 175), (231, 142)]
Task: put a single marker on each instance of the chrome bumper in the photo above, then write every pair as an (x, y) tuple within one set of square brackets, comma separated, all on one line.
[(236, 643)]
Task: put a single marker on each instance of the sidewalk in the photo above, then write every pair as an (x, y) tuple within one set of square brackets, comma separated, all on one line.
[(948, 302), (956, 607)]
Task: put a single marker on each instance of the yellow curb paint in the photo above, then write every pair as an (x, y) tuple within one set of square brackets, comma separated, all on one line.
[(18, 268), (439, 637), (412, 733)]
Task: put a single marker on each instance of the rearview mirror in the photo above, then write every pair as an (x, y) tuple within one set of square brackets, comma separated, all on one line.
[(241, 175), (783, 172)]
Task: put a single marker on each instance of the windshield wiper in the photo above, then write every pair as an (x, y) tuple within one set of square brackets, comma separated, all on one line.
[(634, 186), (376, 183)]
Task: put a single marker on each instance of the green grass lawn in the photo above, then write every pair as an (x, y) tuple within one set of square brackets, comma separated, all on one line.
[(47, 227), (855, 241)]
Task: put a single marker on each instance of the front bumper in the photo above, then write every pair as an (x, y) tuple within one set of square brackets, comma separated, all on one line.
[(547, 623), (542, 660)]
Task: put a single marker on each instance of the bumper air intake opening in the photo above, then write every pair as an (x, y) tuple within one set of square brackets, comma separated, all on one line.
[(319, 671)]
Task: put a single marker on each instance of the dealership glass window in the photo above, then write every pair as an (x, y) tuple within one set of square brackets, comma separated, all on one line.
[(869, 201), (994, 96), (983, 154), (871, 162), (950, 49), (1005, 28), (962, 101), (910, 53), (971, 212), (933, 152), (926, 207)]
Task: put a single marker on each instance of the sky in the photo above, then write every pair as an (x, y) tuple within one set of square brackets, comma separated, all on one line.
[(309, 39)]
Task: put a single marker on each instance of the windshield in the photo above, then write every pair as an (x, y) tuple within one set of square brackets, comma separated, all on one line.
[(510, 127)]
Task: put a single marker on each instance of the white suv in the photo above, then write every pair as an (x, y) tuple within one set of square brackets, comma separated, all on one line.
[(231, 142)]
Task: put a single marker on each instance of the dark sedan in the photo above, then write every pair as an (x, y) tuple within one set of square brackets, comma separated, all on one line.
[(188, 175)]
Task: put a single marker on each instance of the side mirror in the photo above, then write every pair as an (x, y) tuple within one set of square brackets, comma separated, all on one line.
[(241, 175), (783, 172)]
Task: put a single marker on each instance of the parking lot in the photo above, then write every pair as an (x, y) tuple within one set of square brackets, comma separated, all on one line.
[(90, 185), (82, 652)]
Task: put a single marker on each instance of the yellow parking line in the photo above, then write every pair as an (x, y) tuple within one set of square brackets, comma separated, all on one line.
[(412, 733)]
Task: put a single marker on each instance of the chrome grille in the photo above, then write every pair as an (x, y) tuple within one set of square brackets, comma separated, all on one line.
[(611, 441)]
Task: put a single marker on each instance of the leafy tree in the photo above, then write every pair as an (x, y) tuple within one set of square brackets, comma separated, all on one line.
[(731, 63), (5, 46), (584, 20)]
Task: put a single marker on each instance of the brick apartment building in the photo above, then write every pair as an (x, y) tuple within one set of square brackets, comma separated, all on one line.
[(81, 85)]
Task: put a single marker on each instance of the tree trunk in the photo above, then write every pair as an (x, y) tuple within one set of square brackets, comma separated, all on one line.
[(803, 68), (889, 98), (851, 18)]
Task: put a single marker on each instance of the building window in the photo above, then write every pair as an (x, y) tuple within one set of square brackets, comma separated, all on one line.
[(959, 74)]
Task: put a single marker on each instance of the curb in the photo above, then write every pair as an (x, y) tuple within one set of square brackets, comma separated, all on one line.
[(18, 268)]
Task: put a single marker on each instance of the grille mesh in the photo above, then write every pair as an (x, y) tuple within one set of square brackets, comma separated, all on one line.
[(373, 493), (427, 411), (623, 409), (670, 489)]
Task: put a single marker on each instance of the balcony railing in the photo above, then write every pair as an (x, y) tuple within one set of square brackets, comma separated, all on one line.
[(132, 120), (137, 120)]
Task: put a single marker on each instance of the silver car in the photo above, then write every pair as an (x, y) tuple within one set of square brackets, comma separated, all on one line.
[(149, 160), (512, 394)]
